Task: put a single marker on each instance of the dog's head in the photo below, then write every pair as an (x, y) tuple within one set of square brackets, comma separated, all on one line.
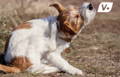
[(72, 19), (69, 18), (88, 12)]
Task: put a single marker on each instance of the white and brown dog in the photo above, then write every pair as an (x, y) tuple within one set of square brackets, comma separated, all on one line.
[(36, 45)]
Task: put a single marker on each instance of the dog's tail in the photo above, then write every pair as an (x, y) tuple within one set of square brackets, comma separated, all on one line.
[(9, 69)]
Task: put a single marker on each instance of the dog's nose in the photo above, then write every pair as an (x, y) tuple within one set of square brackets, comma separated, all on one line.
[(90, 7)]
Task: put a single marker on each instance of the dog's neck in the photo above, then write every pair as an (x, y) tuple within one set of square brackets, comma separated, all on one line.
[(64, 33)]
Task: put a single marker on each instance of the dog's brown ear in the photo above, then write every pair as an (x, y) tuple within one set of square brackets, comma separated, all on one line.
[(58, 6)]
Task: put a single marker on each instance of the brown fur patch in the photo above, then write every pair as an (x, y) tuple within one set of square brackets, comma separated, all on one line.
[(21, 62), (23, 26), (9, 69), (58, 6), (67, 50), (69, 29)]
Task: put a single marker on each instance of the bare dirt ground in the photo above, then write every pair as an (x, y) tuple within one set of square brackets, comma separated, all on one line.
[(96, 51)]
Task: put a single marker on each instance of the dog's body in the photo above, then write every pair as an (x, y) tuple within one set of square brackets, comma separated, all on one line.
[(36, 45)]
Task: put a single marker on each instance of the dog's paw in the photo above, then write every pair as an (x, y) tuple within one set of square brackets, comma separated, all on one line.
[(34, 69), (75, 72)]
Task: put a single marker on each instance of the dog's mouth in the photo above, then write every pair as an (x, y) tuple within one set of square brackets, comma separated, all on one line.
[(90, 7)]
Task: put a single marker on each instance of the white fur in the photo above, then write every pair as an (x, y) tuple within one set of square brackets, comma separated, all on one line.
[(42, 46), (86, 13)]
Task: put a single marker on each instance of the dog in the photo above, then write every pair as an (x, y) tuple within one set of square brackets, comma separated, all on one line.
[(36, 45)]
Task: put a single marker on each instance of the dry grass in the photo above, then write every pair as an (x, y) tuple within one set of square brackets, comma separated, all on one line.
[(96, 51)]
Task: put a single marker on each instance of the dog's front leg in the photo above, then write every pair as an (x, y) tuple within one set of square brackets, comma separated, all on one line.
[(53, 32), (56, 59)]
